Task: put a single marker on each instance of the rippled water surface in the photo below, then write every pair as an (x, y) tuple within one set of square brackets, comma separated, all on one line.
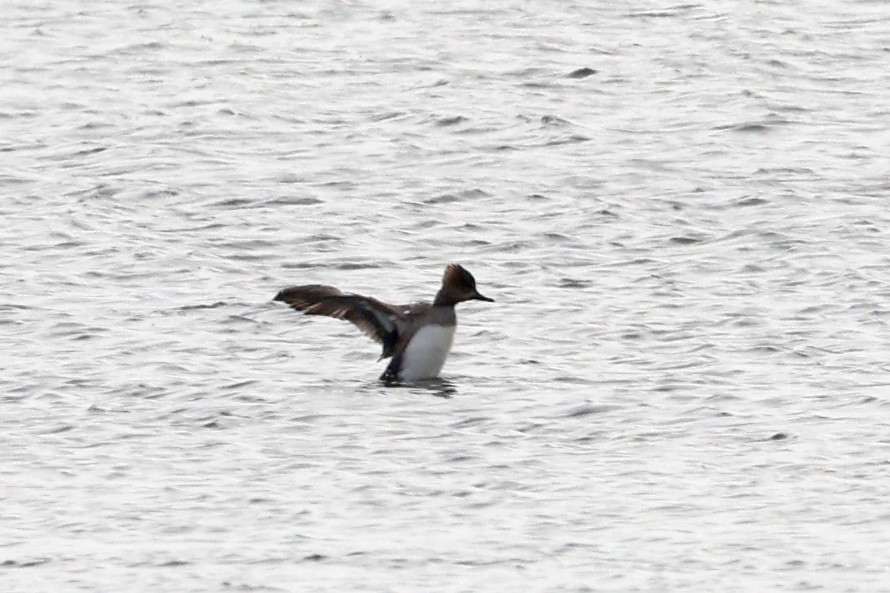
[(681, 209)]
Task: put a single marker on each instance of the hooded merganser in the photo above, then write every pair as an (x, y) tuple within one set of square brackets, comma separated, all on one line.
[(417, 337)]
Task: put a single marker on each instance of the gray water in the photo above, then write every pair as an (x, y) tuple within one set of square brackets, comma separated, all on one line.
[(682, 211)]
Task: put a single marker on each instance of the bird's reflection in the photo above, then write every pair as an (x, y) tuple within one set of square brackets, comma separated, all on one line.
[(437, 387)]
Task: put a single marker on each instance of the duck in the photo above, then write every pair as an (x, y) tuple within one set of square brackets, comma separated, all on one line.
[(417, 337)]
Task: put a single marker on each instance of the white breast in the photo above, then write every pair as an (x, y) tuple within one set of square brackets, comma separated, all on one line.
[(426, 352)]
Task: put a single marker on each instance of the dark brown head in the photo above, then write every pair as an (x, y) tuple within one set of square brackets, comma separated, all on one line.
[(458, 285)]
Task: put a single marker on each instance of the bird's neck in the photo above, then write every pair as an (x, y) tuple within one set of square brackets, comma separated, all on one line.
[(444, 298)]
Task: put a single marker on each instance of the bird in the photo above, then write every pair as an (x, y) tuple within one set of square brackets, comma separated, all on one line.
[(416, 337)]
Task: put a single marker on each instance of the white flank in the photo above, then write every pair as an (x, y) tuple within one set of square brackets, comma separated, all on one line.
[(426, 352)]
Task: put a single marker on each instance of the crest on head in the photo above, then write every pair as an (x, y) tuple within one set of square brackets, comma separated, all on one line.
[(457, 277), (458, 285)]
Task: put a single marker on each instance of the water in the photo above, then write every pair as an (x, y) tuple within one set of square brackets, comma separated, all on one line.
[(681, 211)]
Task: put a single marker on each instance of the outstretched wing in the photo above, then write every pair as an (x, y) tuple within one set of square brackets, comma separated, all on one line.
[(376, 319)]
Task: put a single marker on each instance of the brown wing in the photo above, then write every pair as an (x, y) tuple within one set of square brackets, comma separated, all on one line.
[(376, 319)]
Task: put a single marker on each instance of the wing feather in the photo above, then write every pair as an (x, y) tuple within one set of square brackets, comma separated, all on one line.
[(379, 321)]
